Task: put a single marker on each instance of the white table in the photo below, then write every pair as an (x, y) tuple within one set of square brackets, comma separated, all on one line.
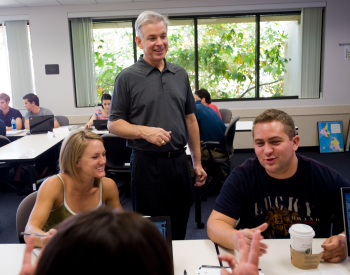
[(277, 260), (244, 126), (190, 255)]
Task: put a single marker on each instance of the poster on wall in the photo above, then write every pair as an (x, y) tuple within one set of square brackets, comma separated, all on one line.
[(330, 136)]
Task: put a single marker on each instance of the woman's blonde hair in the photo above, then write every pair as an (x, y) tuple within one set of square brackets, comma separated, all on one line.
[(72, 149)]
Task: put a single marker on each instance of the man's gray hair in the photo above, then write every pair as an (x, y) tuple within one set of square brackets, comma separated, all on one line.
[(149, 17)]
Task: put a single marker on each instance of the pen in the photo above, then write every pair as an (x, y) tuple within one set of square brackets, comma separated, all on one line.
[(34, 234), (217, 252), (185, 273)]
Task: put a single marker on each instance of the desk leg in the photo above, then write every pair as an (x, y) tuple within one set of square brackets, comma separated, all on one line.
[(33, 175), (198, 208)]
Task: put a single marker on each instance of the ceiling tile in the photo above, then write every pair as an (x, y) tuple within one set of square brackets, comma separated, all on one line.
[(77, 2), (39, 3), (10, 4), (111, 1)]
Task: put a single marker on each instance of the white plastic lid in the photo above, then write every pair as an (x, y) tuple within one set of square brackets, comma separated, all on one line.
[(301, 230)]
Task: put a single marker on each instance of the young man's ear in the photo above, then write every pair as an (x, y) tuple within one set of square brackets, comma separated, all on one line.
[(296, 140)]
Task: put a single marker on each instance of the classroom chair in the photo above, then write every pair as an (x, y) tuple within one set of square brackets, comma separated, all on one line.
[(23, 213), (118, 161), (62, 120), (218, 164), (4, 167), (226, 115)]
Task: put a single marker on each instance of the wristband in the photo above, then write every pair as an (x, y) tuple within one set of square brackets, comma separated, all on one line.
[(342, 235)]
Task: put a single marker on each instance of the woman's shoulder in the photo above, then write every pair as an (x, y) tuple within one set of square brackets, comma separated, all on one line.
[(108, 183), (51, 187)]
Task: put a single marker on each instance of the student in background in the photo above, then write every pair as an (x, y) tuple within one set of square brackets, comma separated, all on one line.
[(101, 114), (204, 96), (81, 185), (7, 113), (31, 102), (2, 128)]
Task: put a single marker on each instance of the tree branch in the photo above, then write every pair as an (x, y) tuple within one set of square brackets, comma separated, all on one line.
[(251, 88)]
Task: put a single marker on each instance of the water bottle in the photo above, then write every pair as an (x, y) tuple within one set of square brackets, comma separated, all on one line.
[(13, 122)]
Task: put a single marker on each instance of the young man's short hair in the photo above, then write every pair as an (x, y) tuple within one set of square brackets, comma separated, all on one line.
[(203, 93), (32, 98), (277, 115), (5, 97)]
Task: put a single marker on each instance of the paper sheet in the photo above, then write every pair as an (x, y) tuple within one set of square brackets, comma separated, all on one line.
[(216, 271), (323, 272)]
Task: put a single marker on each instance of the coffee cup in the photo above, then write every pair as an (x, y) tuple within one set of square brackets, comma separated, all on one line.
[(301, 236)]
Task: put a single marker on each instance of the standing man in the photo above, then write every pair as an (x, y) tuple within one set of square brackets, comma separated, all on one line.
[(153, 107), (7, 113), (31, 102)]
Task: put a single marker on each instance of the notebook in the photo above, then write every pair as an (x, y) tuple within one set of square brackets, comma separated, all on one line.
[(100, 124), (41, 124)]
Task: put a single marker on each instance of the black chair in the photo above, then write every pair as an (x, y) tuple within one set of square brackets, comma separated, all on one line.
[(118, 161), (226, 115), (218, 164), (62, 120), (4, 167)]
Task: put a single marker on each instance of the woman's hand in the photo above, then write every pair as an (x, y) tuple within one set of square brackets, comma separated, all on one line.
[(89, 124), (28, 268), (50, 233)]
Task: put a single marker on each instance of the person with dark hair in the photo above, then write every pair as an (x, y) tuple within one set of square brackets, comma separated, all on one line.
[(31, 102), (100, 241), (103, 240), (204, 96), (153, 108), (7, 113), (101, 114), (81, 185), (278, 189)]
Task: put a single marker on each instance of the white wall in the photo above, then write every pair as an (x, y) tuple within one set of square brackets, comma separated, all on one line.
[(51, 45)]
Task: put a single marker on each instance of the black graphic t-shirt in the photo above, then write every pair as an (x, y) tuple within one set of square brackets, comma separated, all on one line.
[(311, 196)]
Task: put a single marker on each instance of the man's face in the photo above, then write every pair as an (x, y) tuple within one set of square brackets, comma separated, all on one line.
[(4, 104), (29, 106), (274, 149), (154, 42)]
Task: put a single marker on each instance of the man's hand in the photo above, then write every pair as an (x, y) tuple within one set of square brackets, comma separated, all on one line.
[(155, 135), (248, 237), (248, 257), (27, 267), (50, 233), (201, 175), (334, 249)]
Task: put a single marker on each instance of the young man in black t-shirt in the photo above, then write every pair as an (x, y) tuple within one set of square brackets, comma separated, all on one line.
[(277, 189), (7, 113)]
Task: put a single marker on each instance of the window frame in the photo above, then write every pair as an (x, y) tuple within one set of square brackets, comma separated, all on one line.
[(195, 24)]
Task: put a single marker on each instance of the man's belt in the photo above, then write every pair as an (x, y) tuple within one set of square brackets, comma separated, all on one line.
[(170, 154)]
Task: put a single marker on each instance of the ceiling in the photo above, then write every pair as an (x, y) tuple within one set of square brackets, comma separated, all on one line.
[(42, 3)]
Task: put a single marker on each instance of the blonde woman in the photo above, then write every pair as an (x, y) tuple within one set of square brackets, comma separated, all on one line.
[(79, 186)]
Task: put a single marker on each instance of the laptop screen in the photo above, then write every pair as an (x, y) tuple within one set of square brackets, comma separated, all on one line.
[(41, 124), (346, 213), (164, 226)]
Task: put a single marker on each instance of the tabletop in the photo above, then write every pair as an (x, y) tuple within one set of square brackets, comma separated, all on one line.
[(278, 253)]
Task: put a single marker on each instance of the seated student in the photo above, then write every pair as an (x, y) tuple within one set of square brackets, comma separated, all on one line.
[(7, 113), (277, 189), (211, 128), (204, 96), (2, 128), (79, 186), (101, 114), (103, 240), (31, 102)]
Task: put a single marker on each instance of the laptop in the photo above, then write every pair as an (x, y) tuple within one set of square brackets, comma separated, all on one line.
[(100, 124), (41, 124), (164, 226), (345, 195)]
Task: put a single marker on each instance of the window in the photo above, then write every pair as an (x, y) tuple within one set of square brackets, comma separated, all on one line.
[(16, 63), (234, 57)]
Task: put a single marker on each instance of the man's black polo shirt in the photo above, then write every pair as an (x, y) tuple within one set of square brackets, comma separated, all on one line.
[(145, 96), (12, 113)]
